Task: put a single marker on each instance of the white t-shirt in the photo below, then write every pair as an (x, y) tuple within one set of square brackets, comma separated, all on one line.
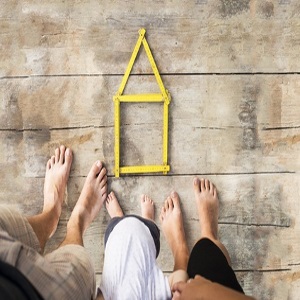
[(130, 270)]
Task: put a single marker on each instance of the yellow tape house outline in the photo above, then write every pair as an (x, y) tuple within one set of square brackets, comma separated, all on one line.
[(163, 96)]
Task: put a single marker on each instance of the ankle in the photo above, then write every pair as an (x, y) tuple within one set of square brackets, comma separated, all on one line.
[(209, 233)]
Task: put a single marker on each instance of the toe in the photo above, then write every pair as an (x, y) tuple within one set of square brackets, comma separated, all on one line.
[(68, 156), (211, 186), (202, 185), (175, 199), (170, 203), (206, 184), (162, 214), (103, 182), (62, 154), (104, 193), (113, 196), (52, 161), (196, 185), (57, 151), (143, 198), (48, 166), (109, 197), (167, 204), (95, 169), (214, 192), (102, 175), (148, 199)]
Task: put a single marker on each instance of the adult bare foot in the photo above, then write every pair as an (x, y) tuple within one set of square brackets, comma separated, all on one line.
[(56, 178), (91, 199), (172, 227), (113, 207), (208, 210), (208, 207), (147, 207)]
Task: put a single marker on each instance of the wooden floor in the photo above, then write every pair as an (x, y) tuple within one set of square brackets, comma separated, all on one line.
[(233, 70)]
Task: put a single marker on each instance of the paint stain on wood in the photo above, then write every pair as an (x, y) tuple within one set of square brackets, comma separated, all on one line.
[(266, 8), (12, 116), (230, 8), (79, 139), (283, 143), (248, 116)]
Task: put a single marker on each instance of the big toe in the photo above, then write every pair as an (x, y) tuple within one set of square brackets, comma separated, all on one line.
[(95, 169), (68, 156), (196, 185), (175, 199)]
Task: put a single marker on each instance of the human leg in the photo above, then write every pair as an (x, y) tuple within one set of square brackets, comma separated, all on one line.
[(56, 178), (209, 257), (70, 263), (88, 206), (172, 227), (147, 208), (17, 226), (208, 210), (115, 212), (67, 272)]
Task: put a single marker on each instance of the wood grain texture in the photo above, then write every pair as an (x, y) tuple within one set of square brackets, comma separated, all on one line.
[(88, 37), (217, 124), (232, 69)]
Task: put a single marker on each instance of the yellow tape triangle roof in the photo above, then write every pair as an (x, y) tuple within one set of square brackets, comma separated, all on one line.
[(163, 97)]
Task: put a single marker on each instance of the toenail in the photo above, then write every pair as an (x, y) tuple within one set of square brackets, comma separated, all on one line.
[(98, 163)]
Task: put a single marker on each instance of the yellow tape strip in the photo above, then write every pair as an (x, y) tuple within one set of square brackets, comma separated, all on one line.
[(144, 169), (141, 98)]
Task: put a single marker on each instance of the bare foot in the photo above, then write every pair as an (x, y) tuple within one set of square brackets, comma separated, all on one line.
[(172, 227), (56, 178), (113, 207), (208, 207), (147, 207), (57, 175), (91, 199)]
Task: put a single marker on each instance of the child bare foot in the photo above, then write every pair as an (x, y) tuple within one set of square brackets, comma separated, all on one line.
[(113, 207), (172, 227), (208, 207), (91, 199), (147, 207), (57, 175)]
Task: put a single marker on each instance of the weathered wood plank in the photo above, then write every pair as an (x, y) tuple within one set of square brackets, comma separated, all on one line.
[(186, 37), (201, 151), (271, 285), (220, 124), (198, 101)]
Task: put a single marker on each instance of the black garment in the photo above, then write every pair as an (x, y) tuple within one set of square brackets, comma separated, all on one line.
[(151, 226), (209, 261), (14, 285)]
